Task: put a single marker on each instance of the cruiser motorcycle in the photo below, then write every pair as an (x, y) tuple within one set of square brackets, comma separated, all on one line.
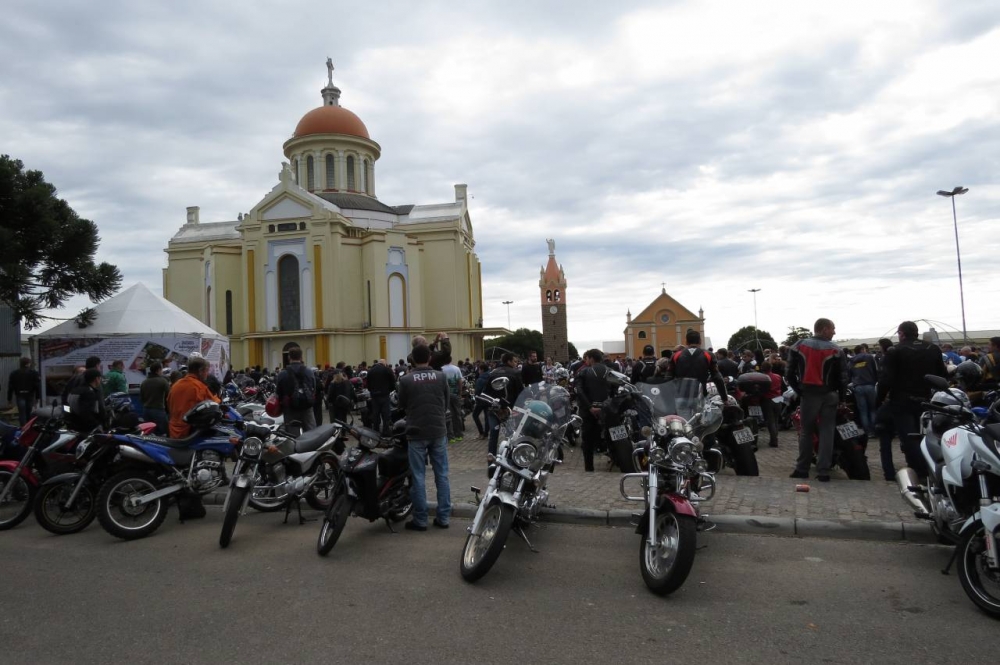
[(674, 480), (532, 436), (279, 470)]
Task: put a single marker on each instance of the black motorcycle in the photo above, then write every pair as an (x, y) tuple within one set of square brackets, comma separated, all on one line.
[(373, 483), (734, 444), (623, 415)]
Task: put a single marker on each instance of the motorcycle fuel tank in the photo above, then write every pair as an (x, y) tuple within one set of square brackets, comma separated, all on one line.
[(957, 450)]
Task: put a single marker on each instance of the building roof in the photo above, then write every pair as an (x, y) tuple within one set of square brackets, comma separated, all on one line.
[(202, 232), (135, 311), (331, 119), (361, 202)]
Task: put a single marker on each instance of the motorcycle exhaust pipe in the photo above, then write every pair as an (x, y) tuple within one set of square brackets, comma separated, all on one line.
[(906, 479)]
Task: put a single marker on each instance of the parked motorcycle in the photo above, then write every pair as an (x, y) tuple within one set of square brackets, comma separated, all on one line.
[(133, 503), (734, 443), (623, 415), (373, 483), (674, 481), (526, 456), (850, 443), (280, 470), (45, 449)]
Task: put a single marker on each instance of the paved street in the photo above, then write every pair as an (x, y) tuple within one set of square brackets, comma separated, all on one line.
[(770, 494), (176, 597)]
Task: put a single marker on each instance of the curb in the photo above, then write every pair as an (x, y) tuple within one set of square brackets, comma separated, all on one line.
[(754, 525)]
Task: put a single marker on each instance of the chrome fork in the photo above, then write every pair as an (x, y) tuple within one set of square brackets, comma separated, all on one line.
[(17, 472), (652, 493)]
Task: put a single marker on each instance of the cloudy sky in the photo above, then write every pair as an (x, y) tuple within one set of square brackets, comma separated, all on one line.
[(714, 146)]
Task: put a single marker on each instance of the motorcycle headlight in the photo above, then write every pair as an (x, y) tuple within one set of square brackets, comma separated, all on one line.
[(657, 455), (252, 446), (524, 454), (81, 448), (701, 466), (682, 452)]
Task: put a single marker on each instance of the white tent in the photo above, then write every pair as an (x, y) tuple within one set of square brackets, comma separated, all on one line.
[(136, 326)]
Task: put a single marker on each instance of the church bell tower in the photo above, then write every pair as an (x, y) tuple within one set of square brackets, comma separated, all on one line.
[(552, 284)]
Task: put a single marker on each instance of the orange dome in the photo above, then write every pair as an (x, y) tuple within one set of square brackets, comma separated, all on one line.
[(331, 120)]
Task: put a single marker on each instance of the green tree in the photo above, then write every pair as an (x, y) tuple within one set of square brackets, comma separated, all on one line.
[(795, 333), (521, 341), (46, 249), (745, 338), (573, 353)]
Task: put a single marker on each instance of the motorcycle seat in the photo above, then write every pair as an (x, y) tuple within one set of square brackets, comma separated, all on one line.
[(174, 443), (313, 439), (934, 448)]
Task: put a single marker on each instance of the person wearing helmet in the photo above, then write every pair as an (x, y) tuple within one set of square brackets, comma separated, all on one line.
[(968, 376), (539, 419)]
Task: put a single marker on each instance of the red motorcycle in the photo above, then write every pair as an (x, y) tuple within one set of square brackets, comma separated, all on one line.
[(849, 443)]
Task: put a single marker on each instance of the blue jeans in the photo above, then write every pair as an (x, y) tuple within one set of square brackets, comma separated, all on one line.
[(865, 398), (24, 406), (419, 449)]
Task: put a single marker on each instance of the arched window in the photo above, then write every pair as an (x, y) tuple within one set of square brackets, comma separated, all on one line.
[(331, 181), (548, 295), (558, 295), (289, 317), (295, 169), (310, 174), (642, 334), (364, 178), (350, 173), (397, 301), (229, 312)]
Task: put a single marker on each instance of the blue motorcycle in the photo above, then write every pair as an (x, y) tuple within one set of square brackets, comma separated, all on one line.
[(133, 503)]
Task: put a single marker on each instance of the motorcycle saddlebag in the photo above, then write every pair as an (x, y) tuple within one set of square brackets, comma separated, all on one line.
[(754, 383)]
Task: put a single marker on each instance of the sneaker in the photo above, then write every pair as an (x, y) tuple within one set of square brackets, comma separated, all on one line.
[(773, 444), (413, 526), (823, 478), (455, 440), (799, 474), (439, 524)]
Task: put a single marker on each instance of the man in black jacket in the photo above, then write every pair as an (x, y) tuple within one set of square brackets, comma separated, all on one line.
[(644, 367), (381, 383), (901, 391), (591, 390), (93, 362), (86, 403), (296, 389), (531, 371), (25, 388), (696, 363), (507, 368)]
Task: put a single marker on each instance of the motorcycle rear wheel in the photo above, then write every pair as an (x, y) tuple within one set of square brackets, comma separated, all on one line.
[(621, 453), (54, 518), (745, 460), (403, 510), (482, 551), (233, 508), (17, 504), (127, 522), (855, 463), (666, 565), (974, 573), (333, 524)]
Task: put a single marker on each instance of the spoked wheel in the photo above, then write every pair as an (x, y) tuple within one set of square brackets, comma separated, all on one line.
[(333, 524), (981, 584), (482, 551), (324, 490), (666, 564), (404, 507), (53, 515), (263, 498), (234, 506), (117, 509), (17, 504)]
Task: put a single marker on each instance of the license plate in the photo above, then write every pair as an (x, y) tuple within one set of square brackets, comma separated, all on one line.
[(757, 412), (618, 433), (848, 430), (743, 435)]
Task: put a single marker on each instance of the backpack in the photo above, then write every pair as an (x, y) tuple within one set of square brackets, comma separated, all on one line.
[(303, 396)]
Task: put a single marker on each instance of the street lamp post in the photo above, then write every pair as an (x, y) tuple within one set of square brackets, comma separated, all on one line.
[(508, 303), (756, 337), (958, 191)]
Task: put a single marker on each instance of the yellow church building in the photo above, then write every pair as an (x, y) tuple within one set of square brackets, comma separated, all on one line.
[(322, 264), (663, 324)]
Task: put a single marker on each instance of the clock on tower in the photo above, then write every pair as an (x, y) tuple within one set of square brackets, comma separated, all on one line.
[(552, 285)]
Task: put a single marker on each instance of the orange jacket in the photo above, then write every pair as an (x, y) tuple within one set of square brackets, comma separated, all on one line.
[(183, 395)]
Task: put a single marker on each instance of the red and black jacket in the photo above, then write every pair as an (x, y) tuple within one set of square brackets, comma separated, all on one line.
[(817, 365)]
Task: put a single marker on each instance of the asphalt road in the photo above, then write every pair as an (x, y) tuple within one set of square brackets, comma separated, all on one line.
[(379, 598)]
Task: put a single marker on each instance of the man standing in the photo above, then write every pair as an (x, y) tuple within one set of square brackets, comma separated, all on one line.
[(901, 391), (114, 380), (423, 395), (381, 383), (508, 368), (296, 391), (644, 367), (86, 403), (948, 350), (92, 362), (749, 362), (188, 391), (817, 371), (25, 387), (991, 364), (153, 393), (591, 391), (456, 421), (696, 363), (531, 371), (864, 376)]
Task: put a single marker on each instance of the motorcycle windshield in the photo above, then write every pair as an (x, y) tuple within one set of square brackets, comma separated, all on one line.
[(542, 409), (682, 397)]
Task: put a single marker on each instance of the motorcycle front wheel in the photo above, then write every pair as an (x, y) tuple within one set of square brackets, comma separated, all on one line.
[(482, 551), (53, 516), (324, 490), (333, 524), (17, 504), (233, 507), (122, 519), (666, 564), (980, 584)]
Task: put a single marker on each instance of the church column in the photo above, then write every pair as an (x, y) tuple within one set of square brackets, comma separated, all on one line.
[(319, 170), (302, 170), (341, 171)]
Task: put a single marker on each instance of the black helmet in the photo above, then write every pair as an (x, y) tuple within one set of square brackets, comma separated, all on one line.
[(968, 375), (203, 414)]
